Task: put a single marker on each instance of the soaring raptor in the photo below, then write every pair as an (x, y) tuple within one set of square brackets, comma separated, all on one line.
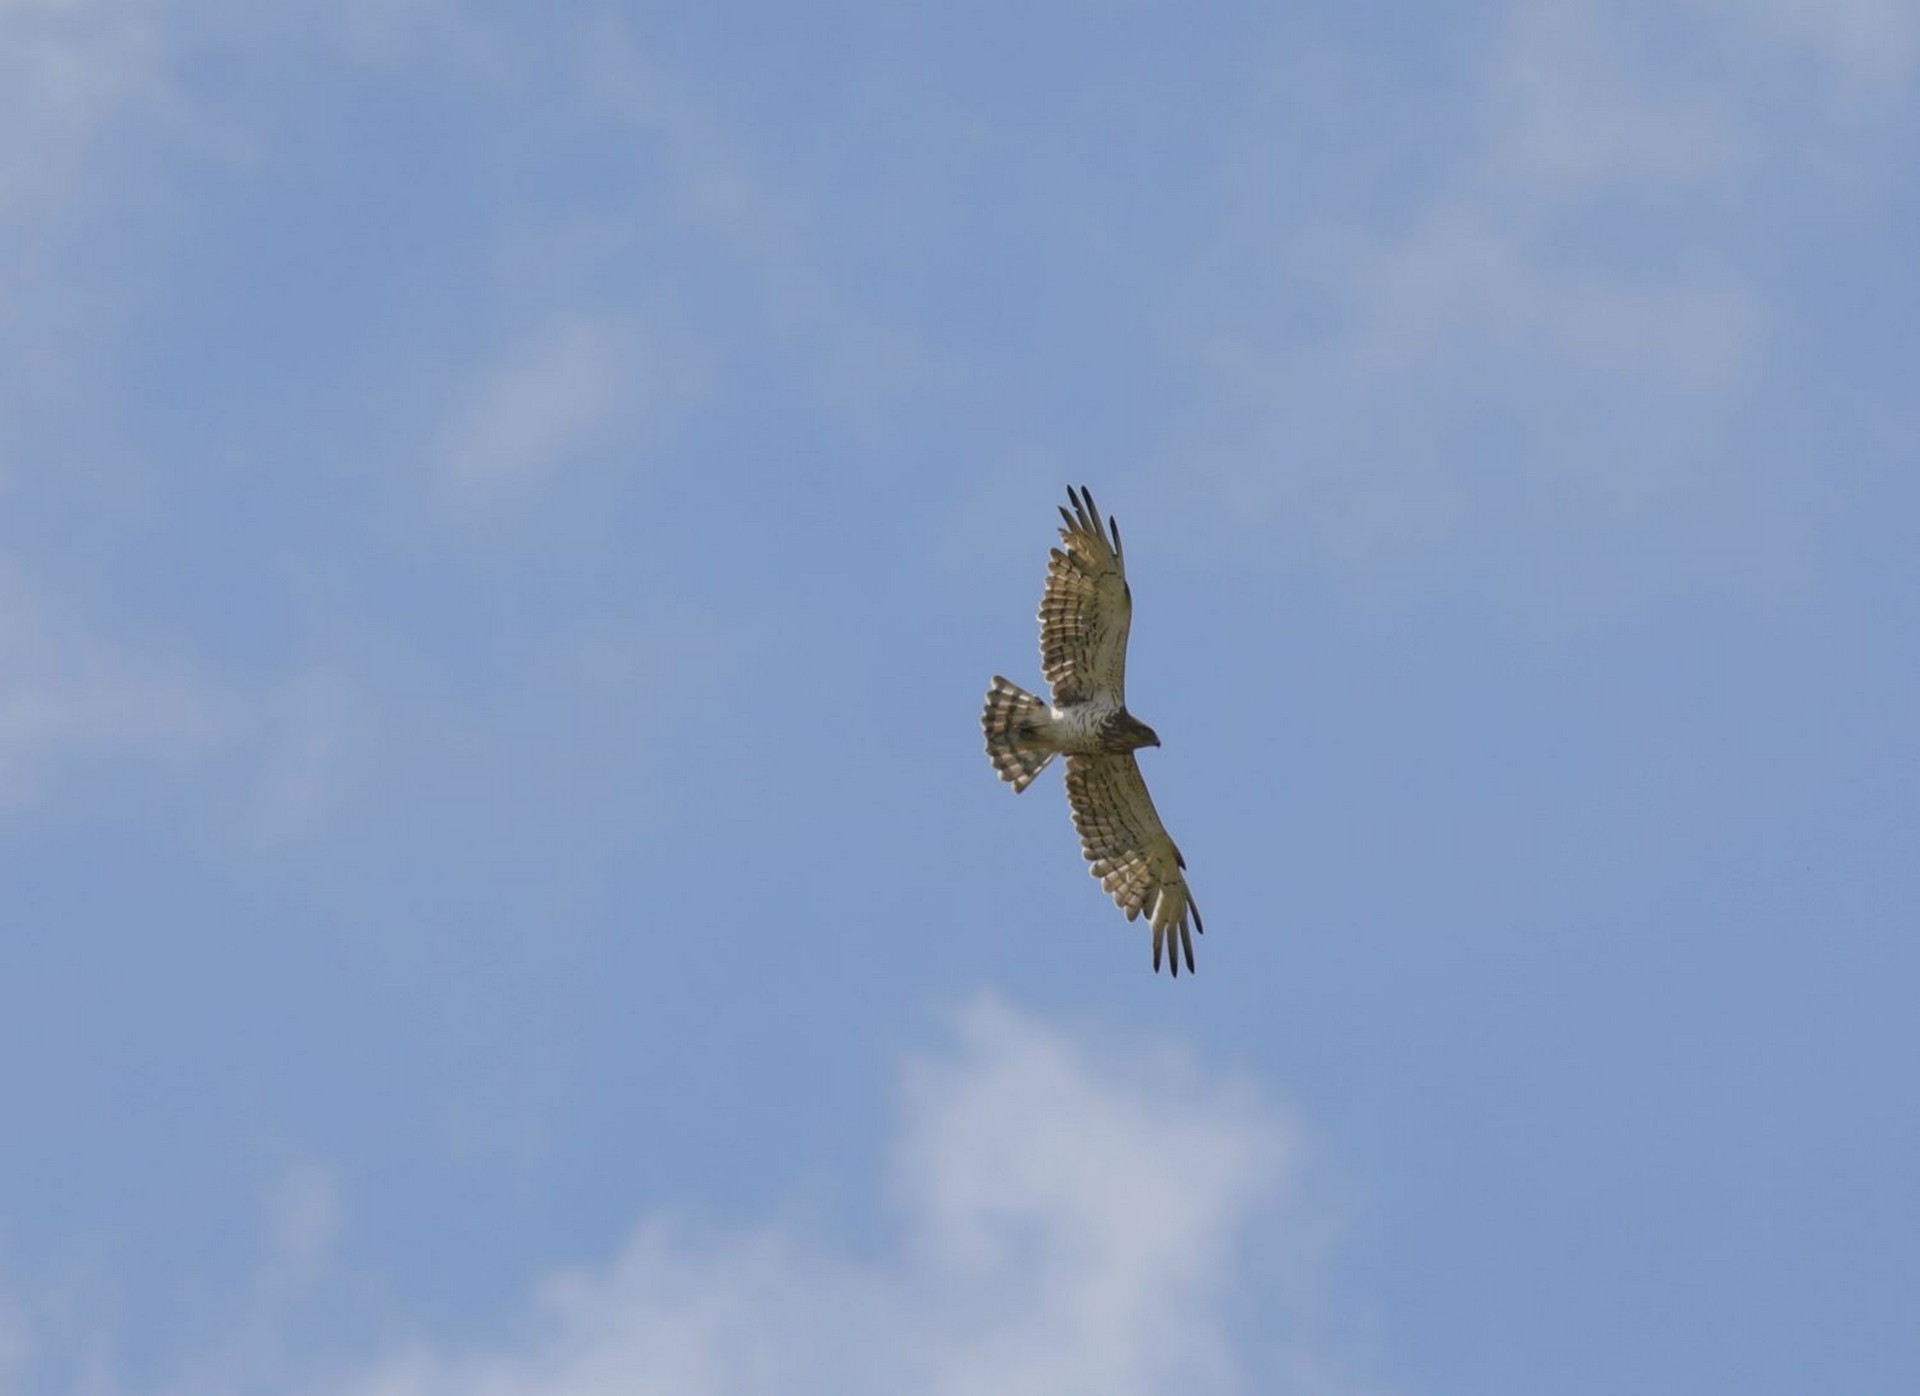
[(1084, 617)]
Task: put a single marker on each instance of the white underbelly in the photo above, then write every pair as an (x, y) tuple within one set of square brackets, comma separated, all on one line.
[(1076, 728)]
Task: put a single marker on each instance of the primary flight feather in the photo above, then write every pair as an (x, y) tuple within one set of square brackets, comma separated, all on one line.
[(1085, 614)]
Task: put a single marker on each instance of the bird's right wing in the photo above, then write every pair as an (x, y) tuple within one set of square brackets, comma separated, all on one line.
[(1130, 851)]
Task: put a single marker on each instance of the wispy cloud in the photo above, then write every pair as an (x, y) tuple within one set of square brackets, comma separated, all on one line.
[(1072, 1219), (1496, 344), (74, 76), (303, 1219), (309, 734), (1072, 1223), (15, 1348), (68, 70), (69, 695), (1466, 275), (1572, 117), (553, 395), (74, 696), (1868, 43), (388, 32)]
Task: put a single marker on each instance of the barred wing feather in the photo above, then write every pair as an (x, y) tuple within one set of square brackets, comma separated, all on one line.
[(1122, 837), (1086, 610)]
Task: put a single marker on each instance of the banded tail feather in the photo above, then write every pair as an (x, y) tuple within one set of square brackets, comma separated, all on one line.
[(1013, 721)]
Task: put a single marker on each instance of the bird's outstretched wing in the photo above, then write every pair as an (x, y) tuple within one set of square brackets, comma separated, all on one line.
[(1087, 609), (1137, 863)]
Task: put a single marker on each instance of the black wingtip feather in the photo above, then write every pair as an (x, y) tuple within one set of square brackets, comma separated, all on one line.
[(1085, 517)]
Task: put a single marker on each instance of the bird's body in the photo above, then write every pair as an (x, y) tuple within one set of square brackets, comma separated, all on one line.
[(1088, 728), (1092, 727), (1085, 615)]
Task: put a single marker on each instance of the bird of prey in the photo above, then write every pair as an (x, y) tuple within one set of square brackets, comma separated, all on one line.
[(1084, 617)]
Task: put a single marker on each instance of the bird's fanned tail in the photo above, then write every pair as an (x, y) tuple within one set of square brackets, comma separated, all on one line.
[(1012, 720)]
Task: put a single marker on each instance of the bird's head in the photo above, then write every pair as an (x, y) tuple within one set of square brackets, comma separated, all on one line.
[(1147, 736)]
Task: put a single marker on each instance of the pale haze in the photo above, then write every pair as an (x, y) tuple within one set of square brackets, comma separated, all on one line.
[(508, 513)]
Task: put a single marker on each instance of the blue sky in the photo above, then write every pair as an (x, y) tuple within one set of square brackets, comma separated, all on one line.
[(507, 513)]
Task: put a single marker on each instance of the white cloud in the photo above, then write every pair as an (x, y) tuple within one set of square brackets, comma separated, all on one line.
[(74, 74), (386, 32), (16, 1348), (1500, 350), (1464, 273), (310, 733), (1072, 1218), (552, 396), (72, 696), (303, 1214), (752, 213), (1472, 368), (68, 70), (1868, 43), (303, 1218), (67, 695), (1572, 119)]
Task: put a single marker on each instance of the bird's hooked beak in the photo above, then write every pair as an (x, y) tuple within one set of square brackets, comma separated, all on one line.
[(1153, 737)]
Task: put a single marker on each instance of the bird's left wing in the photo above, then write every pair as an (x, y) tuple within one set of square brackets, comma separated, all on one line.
[(1086, 610), (1137, 863)]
